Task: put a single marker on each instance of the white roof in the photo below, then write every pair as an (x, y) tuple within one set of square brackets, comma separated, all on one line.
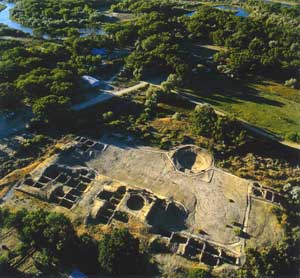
[(91, 80)]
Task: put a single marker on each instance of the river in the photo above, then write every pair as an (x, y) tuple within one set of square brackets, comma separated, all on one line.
[(238, 11), (5, 19)]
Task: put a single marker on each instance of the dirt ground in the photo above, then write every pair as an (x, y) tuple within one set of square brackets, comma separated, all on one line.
[(263, 226), (216, 202), (213, 199)]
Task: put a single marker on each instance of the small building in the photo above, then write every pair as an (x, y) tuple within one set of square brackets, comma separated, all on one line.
[(99, 51), (93, 82)]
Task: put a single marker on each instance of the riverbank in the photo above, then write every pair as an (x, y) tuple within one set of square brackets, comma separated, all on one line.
[(6, 20)]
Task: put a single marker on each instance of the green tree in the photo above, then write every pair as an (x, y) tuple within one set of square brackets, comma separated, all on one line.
[(204, 120), (5, 267), (87, 259), (48, 232), (52, 109), (9, 98), (228, 131), (172, 81), (119, 253)]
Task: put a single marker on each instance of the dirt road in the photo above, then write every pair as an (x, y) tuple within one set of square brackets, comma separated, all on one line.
[(106, 95)]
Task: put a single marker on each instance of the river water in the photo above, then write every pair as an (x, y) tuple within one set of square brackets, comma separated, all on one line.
[(5, 19), (238, 11)]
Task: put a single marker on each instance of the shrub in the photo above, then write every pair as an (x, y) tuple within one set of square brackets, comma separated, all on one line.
[(44, 262), (5, 267), (228, 131), (237, 231), (9, 98), (198, 273), (4, 215), (294, 136), (153, 92), (158, 246), (177, 116), (292, 83), (107, 116), (35, 143), (172, 81)]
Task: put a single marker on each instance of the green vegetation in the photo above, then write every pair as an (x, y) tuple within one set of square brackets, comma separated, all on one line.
[(52, 109), (265, 104), (29, 73), (165, 41), (245, 67), (6, 31), (8, 95), (224, 130), (167, 27), (51, 234), (58, 246), (58, 18), (34, 144), (198, 273), (119, 253), (237, 231), (281, 259)]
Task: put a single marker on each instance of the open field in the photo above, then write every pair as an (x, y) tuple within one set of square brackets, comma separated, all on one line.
[(266, 104), (263, 103)]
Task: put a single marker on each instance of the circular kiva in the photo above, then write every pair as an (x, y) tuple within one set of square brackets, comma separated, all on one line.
[(135, 202), (192, 159)]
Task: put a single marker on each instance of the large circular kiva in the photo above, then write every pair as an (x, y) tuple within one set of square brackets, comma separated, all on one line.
[(192, 159), (135, 202)]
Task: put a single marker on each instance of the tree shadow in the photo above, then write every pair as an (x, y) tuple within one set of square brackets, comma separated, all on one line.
[(244, 235), (216, 88)]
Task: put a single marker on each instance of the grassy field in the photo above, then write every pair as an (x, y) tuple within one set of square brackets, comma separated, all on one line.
[(264, 103)]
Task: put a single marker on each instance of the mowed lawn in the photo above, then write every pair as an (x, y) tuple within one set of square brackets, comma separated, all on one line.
[(265, 104)]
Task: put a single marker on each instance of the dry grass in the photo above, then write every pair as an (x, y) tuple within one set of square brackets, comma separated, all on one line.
[(278, 89), (264, 229), (163, 125), (266, 170)]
